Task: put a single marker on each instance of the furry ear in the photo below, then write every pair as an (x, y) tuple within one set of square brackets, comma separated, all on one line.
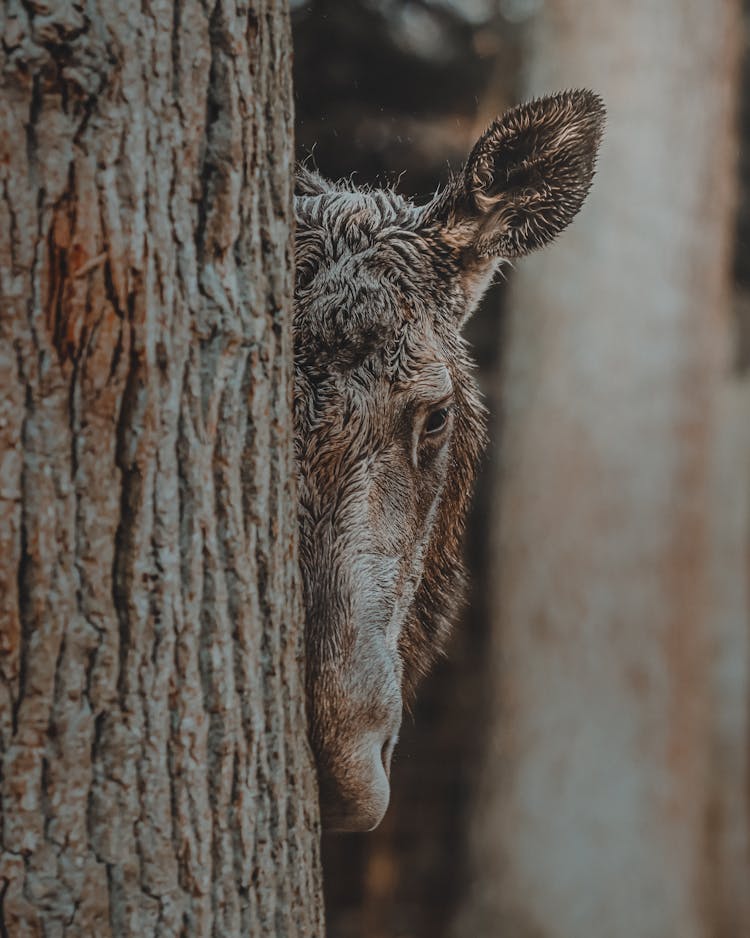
[(526, 178)]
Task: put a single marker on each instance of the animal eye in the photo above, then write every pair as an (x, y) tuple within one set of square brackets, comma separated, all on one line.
[(437, 421)]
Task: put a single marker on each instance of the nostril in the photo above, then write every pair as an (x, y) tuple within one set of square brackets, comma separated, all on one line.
[(387, 753)]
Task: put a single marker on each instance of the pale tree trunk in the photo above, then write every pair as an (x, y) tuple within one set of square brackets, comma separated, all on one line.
[(156, 778), (598, 813)]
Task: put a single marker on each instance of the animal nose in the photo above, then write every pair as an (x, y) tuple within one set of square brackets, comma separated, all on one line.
[(387, 753)]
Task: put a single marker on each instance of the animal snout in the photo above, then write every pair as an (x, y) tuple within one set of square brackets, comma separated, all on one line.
[(386, 753), (355, 750), (354, 795)]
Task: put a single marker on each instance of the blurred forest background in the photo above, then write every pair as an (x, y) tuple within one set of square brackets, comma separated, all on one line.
[(578, 765)]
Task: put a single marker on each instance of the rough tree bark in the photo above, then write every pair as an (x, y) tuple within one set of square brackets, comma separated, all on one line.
[(598, 813), (156, 778)]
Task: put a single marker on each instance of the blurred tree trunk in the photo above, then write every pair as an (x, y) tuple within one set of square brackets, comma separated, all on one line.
[(600, 811), (156, 778)]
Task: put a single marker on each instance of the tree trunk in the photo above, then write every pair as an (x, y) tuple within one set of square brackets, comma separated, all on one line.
[(597, 799), (156, 778)]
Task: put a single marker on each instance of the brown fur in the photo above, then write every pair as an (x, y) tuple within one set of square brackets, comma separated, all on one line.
[(383, 289)]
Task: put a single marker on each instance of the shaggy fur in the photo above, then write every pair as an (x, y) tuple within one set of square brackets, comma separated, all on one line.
[(383, 288)]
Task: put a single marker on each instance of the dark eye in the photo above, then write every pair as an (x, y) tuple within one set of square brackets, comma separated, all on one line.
[(436, 422)]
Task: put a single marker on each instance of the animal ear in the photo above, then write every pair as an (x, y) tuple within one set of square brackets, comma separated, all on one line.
[(526, 178), (310, 182)]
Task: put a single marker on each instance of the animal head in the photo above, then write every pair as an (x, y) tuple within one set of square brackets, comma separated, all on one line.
[(388, 421)]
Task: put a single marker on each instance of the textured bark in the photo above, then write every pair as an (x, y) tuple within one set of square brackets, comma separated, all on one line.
[(598, 813), (156, 778)]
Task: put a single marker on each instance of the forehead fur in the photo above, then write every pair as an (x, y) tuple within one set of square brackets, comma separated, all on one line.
[(369, 273)]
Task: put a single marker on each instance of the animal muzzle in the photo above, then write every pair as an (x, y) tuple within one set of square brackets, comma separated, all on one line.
[(356, 711), (354, 797)]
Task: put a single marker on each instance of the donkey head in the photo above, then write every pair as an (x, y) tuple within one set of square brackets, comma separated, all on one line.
[(388, 421)]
